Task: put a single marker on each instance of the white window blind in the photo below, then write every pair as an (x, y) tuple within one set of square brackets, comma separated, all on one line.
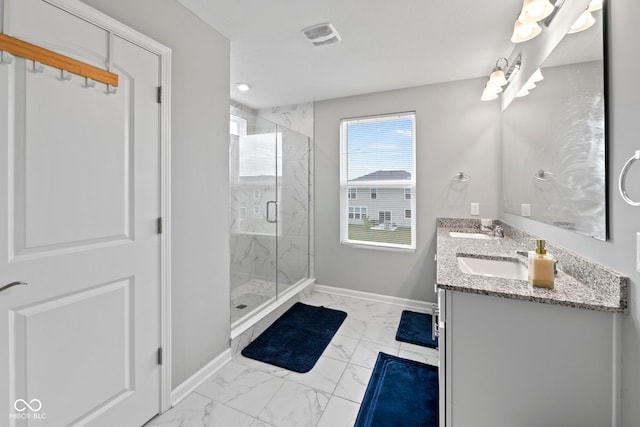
[(378, 158)]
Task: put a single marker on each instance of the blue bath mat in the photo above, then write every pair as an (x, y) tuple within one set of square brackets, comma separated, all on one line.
[(400, 393), (296, 339), (415, 328)]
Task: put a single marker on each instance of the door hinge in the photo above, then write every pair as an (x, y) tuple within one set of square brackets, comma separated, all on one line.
[(159, 95), (159, 225), (160, 356)]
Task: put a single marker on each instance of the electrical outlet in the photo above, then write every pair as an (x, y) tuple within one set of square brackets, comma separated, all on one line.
[(475, 208), (526, 209), (638, 252)]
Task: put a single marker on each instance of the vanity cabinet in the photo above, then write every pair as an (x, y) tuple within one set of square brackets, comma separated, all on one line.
[(513, 363)]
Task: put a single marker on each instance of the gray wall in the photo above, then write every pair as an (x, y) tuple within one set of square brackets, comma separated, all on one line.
[(200, 176), (619, 252), (454, 132)]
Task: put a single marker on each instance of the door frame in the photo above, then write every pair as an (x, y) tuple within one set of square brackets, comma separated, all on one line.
[(114, 27)]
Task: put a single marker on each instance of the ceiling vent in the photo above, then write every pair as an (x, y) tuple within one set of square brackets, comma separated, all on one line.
[(322, 34)]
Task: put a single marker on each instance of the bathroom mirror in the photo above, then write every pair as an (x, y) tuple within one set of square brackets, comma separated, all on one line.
[(553, 140)]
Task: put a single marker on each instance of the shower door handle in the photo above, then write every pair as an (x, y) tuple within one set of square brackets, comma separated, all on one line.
[(272, 221)]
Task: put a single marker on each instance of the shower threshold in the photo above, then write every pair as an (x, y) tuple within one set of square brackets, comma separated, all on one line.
[(260, 305)]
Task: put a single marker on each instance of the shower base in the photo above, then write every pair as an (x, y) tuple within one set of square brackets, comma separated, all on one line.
[(251, 295), (252, 301)]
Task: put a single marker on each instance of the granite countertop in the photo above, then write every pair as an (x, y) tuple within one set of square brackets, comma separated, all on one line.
[(602, 293)]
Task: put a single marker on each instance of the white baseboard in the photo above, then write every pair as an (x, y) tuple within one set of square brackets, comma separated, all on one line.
[(404, 302), (195, 380)]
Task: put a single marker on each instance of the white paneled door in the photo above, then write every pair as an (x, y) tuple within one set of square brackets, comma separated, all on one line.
[(79, 202)]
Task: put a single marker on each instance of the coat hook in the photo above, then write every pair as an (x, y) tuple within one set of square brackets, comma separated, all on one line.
[(111, 90), (65, 76), (37, 67), (89, 82), (5, 57)]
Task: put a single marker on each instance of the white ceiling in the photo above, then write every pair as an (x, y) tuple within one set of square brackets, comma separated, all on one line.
[(386, 44)]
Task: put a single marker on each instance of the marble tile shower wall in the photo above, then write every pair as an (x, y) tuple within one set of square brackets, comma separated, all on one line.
[(297, 117), (293, 243)]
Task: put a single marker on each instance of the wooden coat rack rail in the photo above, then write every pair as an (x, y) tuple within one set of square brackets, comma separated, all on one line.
[(27, 50)]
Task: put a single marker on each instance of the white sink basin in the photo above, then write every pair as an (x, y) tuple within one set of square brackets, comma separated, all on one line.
[(469, 235), (509, 268)]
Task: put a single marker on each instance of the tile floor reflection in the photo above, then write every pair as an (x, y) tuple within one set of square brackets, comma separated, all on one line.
[(248, 393)]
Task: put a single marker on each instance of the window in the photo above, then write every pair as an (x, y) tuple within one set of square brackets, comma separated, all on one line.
[(353, 193), (378, 156), (384, 216), (357, 212)]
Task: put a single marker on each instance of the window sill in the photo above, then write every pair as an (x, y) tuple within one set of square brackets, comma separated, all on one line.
[(357, 245)]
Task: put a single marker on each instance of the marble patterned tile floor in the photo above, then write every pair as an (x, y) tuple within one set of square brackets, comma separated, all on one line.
[(248, 393)]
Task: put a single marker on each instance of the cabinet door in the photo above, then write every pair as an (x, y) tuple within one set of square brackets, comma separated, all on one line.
[(525, 364)]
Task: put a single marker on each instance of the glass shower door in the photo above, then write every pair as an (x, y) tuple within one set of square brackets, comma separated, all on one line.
[(254, 177)]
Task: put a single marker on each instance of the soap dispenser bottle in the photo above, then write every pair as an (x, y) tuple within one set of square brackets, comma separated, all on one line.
[(541, 272)]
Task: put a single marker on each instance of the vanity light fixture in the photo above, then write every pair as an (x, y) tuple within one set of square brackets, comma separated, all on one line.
[(526, 26), (530, 84), (489, 94), (595, 5), (584, 21), (243, 87), (523, 31), (535, 10), (499, 77), (537, 76)]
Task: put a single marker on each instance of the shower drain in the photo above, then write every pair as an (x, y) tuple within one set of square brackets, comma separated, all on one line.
[(241, 306)]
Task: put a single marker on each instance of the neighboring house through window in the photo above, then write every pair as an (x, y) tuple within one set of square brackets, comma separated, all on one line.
[(378, 157), (357, 212), (384, 216), (353, 193)]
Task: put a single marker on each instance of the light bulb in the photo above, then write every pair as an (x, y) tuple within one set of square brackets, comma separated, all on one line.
[(488, 95), (535, 10), (584, 21), (523, 31), (497, 78), (537, 76), (594, 5)]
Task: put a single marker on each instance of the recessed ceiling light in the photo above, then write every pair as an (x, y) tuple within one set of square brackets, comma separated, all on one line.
[(243, 87)]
